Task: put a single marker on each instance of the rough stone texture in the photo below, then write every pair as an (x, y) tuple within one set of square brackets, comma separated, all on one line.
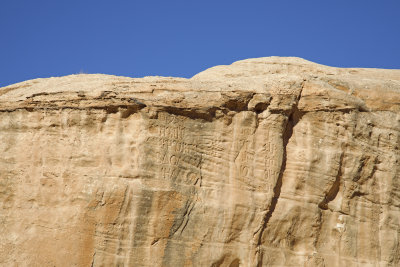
[(266, 162)]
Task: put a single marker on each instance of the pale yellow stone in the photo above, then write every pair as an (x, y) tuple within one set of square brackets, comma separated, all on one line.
[(265, 162)]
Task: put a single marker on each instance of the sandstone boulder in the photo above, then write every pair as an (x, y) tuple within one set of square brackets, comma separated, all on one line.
[(265, 162)]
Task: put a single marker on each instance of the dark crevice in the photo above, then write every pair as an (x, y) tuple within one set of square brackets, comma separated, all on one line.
[(334, 190), (206, 115), (182, 221), (125, 110), (363, 161), (260, 107), (357, 194), (239, 103), (291, 122), (155, 241), (236, 105), (111, 109), (374, 168), (212, 111), (187, 218), (92, 264), (129, 110), (293, 118), (200, 179)]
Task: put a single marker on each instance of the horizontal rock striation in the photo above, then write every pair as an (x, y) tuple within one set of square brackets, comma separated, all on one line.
[(265, 162)]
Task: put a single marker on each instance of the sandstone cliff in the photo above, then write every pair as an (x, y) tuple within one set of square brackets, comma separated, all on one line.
[(266, 162)]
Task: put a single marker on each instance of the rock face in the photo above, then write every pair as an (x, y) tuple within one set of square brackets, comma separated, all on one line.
[(266, 162)]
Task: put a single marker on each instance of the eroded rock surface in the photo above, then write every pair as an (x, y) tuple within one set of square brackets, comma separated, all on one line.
[(266, 162)]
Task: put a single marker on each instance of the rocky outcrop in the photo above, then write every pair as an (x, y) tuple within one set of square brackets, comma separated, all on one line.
[(266, 162)]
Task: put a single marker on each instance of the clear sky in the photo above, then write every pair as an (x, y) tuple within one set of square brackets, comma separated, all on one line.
[(133, 38)]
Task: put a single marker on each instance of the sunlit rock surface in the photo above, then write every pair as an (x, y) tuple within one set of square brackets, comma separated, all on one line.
[(265, 162)]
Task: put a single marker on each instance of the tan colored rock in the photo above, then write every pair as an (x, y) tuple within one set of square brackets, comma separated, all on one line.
[(266, 162)]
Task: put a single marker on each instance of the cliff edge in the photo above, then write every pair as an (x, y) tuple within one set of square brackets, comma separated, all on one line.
[(265, 162)]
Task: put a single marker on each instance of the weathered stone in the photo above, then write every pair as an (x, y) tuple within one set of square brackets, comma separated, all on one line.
[(266, 162)]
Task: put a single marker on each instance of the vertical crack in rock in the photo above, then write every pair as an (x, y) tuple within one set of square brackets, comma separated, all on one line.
[(92, 264), (334, 190), (187, 217), (200, 178), (292, 119), (182, 222)]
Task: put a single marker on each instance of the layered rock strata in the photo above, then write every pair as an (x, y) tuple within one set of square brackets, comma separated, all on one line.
[(265, 162)]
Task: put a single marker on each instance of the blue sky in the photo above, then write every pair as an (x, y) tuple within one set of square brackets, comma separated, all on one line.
[(41, 39)]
